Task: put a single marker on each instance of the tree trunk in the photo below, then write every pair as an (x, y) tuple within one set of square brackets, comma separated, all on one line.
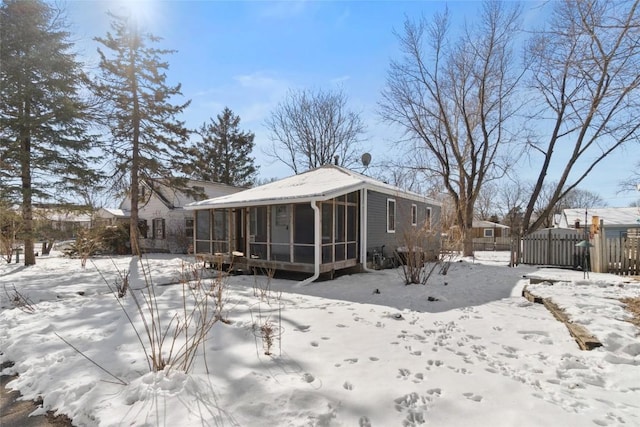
[(27, 207), (46, 247)]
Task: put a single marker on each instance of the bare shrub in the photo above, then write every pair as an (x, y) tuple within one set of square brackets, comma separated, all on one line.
[(262, 313), (174, 343), (262, 278), (19, 300), (418, 261)]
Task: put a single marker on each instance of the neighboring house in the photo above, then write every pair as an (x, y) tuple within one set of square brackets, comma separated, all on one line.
[(489, 230), (111, 216), (489, 235), (165, 226), (617, 221), (60, 222), (319, 221)]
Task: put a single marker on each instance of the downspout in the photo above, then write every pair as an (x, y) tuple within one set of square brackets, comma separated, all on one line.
[(363, 231), (317, 240)]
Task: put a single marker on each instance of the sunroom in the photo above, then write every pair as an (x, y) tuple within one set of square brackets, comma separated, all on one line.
[(282, 236), (316, 222)]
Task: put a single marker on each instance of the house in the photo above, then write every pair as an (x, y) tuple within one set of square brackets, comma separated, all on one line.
[(165, 226), (319, 221), (110, 216), (61, 221), (489, 235), (618, 222)]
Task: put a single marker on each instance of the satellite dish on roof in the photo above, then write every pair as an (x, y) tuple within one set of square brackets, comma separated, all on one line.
[(366, 159)]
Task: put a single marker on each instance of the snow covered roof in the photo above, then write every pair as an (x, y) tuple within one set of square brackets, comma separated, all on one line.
[(322, 183), (175, 198), (610, 216), (117, 213), (478, 223)]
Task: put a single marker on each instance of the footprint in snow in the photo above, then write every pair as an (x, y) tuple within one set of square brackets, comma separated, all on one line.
[(347, 385), (403, 373), (364, 422), (314, 344), (472, 396)]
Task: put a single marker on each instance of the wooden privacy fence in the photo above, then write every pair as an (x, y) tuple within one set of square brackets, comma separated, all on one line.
[(548, 247), (556, 247), (618, 255)]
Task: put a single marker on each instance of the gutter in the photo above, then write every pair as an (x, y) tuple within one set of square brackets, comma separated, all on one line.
[(317, 242)]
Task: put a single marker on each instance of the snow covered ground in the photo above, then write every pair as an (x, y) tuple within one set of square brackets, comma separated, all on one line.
[(361, 350)]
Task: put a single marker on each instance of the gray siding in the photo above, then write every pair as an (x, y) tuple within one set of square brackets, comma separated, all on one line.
[(377, 234)]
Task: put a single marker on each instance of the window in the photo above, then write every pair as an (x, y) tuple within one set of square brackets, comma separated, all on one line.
[(427, 221), (414, 215), (488, 232), (391, 216), (188, 227), (143, 228), (158, 228)]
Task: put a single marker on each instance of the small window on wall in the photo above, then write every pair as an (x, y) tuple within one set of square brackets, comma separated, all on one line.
[(158, 228), (143, 228), (391, 216), (188, 227), (488, 232), (427, 221), (414, 215)]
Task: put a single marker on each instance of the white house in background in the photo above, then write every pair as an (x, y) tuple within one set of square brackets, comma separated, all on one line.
[(110, 216), (164, 224), (617, 221)]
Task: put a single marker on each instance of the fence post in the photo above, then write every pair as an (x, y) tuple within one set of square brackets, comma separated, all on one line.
[(604, 264)]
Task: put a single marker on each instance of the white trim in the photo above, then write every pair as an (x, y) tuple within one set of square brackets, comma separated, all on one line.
[(395, 210), (490, 234)]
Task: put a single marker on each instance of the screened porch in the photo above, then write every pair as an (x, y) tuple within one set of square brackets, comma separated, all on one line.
[(281, 236)]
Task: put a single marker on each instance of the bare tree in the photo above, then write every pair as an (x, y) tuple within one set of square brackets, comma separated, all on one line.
[(511, 198), (633, 182), (312, 128), (585, 72), (456, 102), (575, 198), (486, 205)]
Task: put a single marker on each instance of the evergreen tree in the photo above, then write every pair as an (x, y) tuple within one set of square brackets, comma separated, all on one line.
[(44, 150), (224, 153), (146, 136)]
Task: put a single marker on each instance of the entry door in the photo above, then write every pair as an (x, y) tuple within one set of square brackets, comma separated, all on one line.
[(281, 233)]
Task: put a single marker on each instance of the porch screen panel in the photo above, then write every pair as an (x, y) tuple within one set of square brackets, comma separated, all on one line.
[(203, 231), (303, 234), (220, 236), (340, 234), (258, 233), (352, 231), (327, 232)]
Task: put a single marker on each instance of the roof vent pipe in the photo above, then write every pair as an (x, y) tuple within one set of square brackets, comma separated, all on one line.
[(335, 160)]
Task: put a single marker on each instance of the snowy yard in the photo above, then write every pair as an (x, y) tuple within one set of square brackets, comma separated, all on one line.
[(361, 350)]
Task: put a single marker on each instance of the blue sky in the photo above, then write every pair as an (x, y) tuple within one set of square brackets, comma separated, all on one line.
[(247, 54)]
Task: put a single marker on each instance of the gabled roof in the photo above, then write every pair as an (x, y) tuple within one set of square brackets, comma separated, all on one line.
[(478, 223), (176, 198), (114, 212), (610, 216), (322, 183)]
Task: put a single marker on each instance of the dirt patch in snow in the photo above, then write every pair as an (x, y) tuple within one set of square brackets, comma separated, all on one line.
[(633, 305)]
